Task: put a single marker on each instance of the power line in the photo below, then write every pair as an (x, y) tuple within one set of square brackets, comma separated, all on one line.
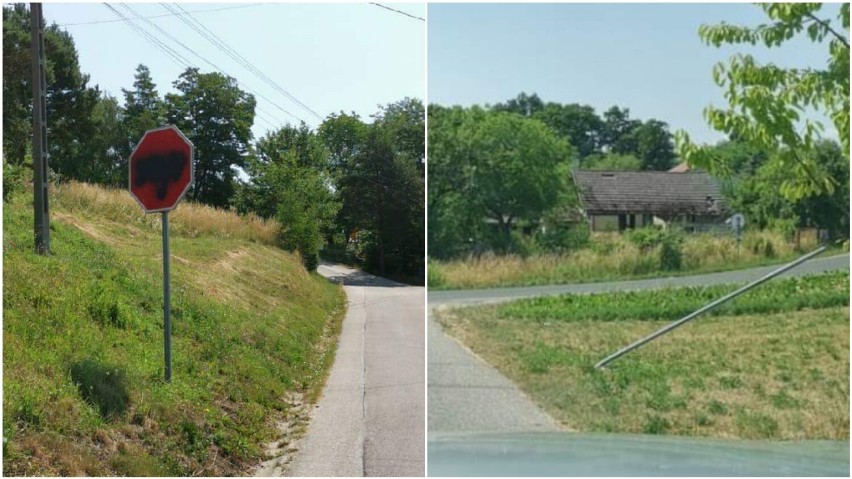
[(175, 56), (233, 54), (157, 27), (213, 38), (398, 11), (164, 15), (180, 16), (183, 60)]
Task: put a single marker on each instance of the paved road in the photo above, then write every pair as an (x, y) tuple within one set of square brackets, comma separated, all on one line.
[(370, 419), (466, 394), (479, 296)]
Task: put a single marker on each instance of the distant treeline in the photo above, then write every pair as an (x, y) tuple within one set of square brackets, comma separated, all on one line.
[(353, 185), (500, 175)]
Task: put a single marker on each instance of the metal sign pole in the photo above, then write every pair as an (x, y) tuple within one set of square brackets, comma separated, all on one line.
[(708, 307), (167, 324)]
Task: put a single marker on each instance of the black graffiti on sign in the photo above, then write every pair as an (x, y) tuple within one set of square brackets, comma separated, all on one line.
[(160, 170)]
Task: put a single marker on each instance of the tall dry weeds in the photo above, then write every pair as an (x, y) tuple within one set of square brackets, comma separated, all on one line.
[(188, 219)]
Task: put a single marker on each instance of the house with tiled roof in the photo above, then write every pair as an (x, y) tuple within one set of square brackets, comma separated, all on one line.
[(619, 200)]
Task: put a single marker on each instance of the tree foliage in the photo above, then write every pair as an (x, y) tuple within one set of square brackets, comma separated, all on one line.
[(490, 166), (70, 101), (379, 176), (212, 111), (289, 181), (768, 104), (752, 189)]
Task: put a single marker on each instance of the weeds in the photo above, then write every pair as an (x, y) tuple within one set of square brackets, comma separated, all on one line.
[(789, 294), (638, 254)]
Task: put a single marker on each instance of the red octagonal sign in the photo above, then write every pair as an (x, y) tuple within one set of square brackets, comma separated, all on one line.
[(161, 169)]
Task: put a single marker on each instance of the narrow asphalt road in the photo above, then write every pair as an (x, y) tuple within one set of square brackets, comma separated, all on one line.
[(495, 295), (466, 394), (370, 418)]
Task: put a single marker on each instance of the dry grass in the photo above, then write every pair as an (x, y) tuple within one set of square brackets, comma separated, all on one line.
[(188, 219), (610, 257), (779, 376)]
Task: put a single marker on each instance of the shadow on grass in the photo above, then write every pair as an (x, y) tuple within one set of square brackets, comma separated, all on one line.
[(102, 386)]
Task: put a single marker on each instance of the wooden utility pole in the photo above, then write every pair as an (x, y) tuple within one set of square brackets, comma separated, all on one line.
[(42, 218)]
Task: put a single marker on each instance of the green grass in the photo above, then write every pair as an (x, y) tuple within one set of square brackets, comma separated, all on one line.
[(791, 294), (758, 372), (612, 257), (83, 388)]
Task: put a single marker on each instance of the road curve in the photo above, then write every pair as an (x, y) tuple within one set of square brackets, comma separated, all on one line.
[(479, 296), (466, 394), (370, 418)]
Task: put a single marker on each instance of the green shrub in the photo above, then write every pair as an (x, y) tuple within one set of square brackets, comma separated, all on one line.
[(656, 425), (302, 234), (561, 238), (762, 246), (435, 278), (521, 244), (671, 254), (15, 178), (784, 226), (646, 238)]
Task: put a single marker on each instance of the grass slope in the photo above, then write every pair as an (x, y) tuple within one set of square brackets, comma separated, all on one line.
[(83, 394), (768, 367)]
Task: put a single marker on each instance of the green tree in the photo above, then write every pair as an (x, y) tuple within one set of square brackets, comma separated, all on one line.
[(612, 162), (17, 89), (616, 131), (523, 104), (143, 109), (403, 230), (579, 124), (753, 190), (453, 223), (652, 144), (289, 180), (502, 167), (766, 102), (381, 183), (406, 122), (70, 102), (344, 135), (103, 146), (212, 111)]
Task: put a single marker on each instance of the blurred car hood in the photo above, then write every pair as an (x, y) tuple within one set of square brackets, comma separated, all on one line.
[(575, 454)]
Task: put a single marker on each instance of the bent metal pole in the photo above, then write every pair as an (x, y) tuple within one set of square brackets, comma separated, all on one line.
[(708, 307)]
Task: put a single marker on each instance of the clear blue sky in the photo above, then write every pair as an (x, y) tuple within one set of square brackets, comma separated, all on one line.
[(332, 57), (646, 57)]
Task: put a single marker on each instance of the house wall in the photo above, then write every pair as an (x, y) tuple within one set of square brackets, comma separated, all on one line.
[(611, 222), (604, 222), (689, 223)]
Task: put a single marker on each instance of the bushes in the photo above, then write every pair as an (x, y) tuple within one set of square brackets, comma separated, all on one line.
[(646, 238), (671, 256), (15, 177), (560, 238)]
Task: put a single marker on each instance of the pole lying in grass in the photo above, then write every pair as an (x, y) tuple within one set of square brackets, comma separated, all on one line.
[(704, 309)]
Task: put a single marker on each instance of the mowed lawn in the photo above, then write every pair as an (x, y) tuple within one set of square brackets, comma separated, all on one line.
[(774, 364)]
